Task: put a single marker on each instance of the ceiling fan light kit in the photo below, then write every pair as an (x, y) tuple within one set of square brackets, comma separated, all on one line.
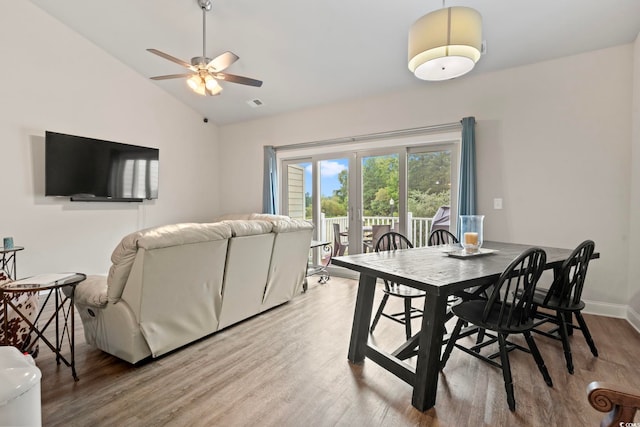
[(205, 72), (206, 85), (445, 44)]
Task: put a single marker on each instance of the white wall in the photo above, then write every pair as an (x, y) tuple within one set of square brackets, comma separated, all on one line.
[(53, 79), (634, 211), (553, 140)]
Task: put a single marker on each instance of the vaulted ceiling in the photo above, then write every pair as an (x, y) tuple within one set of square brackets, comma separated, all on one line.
[(311, 53)]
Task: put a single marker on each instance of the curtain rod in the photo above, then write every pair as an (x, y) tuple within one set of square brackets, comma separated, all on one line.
[(373, 136)]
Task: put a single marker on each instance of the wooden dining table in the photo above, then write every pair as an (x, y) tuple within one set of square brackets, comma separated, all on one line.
[(434, 271)]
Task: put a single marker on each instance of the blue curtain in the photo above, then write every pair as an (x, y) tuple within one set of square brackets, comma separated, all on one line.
[(467, 197), (270, 181)]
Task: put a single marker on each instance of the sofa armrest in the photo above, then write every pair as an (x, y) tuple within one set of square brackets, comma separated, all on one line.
[(92, 292)]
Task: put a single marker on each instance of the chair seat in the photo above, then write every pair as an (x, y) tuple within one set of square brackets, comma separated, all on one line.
[(472, 311), (554, 302), (404, 291)]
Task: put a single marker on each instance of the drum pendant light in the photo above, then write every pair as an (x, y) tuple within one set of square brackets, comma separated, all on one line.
[(445, 44)]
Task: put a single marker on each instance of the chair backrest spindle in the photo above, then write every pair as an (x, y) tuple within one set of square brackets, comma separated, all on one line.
[(568, 286), (441, 237), (514, 289), (392, 241)]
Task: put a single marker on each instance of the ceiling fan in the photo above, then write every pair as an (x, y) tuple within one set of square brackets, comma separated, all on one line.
[(205, 72)]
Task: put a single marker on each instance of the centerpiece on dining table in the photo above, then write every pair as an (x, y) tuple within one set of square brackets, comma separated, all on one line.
[(471, 233), (471, 237)]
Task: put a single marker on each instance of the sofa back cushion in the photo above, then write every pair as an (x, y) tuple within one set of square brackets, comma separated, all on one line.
[(288, 261), (124, 254), (232, 216), (180, 291), (251, 216), (269, 217), (242, 228)]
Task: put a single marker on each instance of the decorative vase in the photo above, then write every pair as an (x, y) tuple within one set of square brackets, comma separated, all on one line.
[(471, 232)]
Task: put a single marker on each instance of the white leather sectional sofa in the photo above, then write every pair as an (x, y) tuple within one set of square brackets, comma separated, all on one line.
[(171, 285)]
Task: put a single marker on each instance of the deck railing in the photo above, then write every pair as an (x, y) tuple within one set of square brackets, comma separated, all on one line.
[(417, 228)]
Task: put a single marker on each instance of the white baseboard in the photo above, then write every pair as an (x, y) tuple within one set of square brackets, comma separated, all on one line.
[(620, 311), (605, 309), (633, 318)]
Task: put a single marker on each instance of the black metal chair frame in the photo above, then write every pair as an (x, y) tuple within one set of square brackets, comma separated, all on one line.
[(509, 310), (393, 241), (564, 299)]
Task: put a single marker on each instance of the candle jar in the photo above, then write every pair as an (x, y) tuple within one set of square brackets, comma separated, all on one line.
[(471, 232), (7, 243)]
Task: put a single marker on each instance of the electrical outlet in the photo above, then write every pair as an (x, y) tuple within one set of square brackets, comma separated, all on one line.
[(497, 203)]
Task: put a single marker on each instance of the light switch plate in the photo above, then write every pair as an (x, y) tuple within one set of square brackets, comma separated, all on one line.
[(497, 203)]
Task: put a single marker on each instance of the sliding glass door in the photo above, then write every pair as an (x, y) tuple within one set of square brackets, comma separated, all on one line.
[(353, 197)]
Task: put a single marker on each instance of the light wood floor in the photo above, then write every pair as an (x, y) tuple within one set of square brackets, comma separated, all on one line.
[(288, 367)]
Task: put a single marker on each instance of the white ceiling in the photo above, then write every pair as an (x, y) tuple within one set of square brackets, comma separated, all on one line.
[(310, 53)]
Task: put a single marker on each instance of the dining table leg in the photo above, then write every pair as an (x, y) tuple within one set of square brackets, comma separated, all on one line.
[(429, 349), (362, 318)]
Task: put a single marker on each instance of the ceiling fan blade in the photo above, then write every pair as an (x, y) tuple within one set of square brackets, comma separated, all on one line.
[(172, 76), (221, 62), (238, 79), (172, 59)]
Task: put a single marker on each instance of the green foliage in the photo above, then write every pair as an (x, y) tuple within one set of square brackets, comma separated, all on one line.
[(336, 205), (425, 205), (332, 207), (429, 181), (381, 204), (308, 203), (430, 172), (342, 194), (379, 173)]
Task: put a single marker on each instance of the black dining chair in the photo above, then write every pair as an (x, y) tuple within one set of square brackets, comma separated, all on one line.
[(338, 246), (392, 241), (509, 310), (441, 237), (564, 299)]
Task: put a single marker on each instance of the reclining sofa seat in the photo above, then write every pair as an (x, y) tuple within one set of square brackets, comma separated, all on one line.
[(171, 285)]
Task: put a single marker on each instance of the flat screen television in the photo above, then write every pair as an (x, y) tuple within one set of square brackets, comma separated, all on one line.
[(88, 169)]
